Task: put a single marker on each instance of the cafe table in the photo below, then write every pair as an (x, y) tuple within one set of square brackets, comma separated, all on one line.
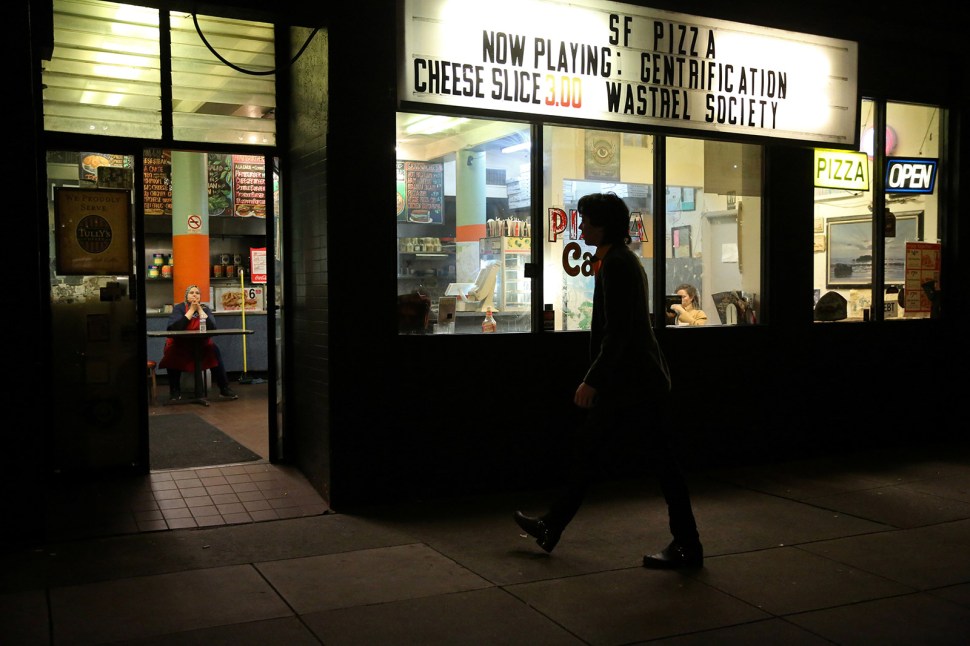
[(197, 338)]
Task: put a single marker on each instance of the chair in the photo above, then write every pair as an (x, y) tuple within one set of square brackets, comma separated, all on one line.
[(479, 295), (152, 384)]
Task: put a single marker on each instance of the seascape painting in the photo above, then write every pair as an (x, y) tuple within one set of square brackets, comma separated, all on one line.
[(849, 249)]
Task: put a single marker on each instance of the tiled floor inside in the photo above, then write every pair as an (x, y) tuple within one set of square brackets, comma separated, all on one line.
[(185, 498)]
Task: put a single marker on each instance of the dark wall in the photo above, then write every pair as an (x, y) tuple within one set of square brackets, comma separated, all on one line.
[(361, 255), (305, 214), (28, 386)]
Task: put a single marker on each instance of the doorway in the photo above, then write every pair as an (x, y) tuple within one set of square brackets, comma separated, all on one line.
[(213, 225), (107, 415), (722, 268)]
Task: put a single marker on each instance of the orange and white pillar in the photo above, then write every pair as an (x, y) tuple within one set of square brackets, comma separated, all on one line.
[(190, 224)]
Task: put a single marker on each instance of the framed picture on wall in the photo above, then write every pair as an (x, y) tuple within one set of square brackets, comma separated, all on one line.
[(848, 258)]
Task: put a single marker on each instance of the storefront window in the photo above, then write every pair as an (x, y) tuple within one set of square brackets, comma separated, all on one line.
[(911, 279), (712, 203), (844, 242), (713, 232), (464, 226), (577, 162), (105, 75)]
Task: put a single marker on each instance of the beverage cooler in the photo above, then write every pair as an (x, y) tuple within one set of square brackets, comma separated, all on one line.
[(513, 291)]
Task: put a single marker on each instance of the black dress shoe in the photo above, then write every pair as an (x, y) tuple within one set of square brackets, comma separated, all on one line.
[(546, 536), (676, 556)]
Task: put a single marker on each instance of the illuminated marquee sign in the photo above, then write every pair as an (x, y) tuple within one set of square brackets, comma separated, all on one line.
[(842, 169), (910, 175), (614, 62)]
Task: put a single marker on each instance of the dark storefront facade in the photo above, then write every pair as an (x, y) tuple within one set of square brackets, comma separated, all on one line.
[(386, 388)]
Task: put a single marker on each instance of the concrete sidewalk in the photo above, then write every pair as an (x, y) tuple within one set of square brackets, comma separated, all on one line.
[(872, 548)]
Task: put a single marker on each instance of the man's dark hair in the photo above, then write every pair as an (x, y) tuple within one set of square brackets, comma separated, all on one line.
[(607, 210)]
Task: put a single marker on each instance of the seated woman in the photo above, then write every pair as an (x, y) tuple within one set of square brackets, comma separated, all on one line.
[(687, 312), (179, 355)]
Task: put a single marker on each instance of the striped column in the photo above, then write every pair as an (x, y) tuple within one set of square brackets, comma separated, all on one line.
[(190, 224)]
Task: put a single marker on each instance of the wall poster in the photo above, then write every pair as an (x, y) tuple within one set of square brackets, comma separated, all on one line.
[(92, 231), (922, 277), (423, 197), (249, 186), (157, 177), (680, 243), (219, 188), (602, 156)]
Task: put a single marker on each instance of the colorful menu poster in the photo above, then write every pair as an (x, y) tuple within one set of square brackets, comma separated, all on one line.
[(402, 212), (922, 266), (249, 185), (424, 185), (158, 182), (91, 162), (219, 184)]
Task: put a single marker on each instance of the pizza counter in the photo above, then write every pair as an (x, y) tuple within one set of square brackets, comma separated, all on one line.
[(231, 346)]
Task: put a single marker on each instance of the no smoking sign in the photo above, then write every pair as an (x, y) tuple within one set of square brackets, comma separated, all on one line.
[(194, 222)]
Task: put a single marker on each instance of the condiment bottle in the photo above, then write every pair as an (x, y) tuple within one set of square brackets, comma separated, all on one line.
[(489, 325)]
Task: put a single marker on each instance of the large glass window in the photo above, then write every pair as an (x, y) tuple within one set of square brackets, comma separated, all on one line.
[(223, 85), (577, 162), (104, 76), (465, 235), (464, 227), (845, 242), (711, 241), (712, 218)]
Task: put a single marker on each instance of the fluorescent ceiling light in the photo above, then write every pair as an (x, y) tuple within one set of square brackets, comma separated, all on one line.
[(433, 124), (525, 145)]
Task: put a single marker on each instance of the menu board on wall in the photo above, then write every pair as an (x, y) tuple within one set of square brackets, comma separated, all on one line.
[(158, 184), (219, 184), (402, 212), (424, 192), (249, 185)]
